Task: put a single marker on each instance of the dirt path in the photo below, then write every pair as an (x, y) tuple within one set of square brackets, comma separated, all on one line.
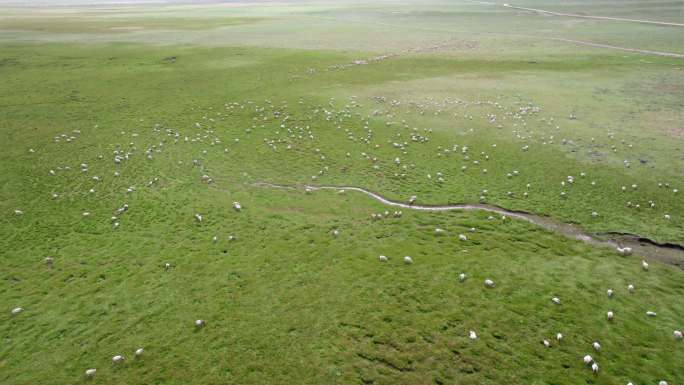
[(665, 23), (533, 37), (668, 253), (599, 45)]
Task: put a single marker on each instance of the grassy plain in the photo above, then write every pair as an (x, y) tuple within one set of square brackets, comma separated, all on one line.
[(286, 302)]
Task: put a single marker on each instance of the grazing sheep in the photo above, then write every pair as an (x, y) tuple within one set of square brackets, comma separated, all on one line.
[(200, 323), (556, 300), (18, 212), (596, 346), (472, 335), (588, 359), (610, 293), (609, 315), (462, 237), (167, 266), (198, 217), (462, 277), (678, 334), (17, 310), (651, 313), (237, 206), (594, 367), (559, 337), (412, 199), (139, 352), (408, 260), (117, 359), (630, 288), (546, 343), (644, 265), (90, 372), (383, 258), (624, 251), (662, 383), (49, 261), (489, 283), (439, 231)]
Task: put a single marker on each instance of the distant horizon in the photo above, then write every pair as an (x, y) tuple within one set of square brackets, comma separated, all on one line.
[(67, 3)]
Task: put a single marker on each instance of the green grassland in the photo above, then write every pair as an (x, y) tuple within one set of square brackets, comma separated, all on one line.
[(255, 95)]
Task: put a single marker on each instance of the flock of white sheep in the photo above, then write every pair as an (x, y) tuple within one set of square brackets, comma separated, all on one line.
[(292, 136)]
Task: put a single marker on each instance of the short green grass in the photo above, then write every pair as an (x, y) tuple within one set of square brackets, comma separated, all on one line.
[(286, 302)]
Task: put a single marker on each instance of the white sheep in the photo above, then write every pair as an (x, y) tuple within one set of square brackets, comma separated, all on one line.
[(489, 283), (117, 359), (472, 335), (439, 231), (609, 315), (412, 199), (559, 337), (596, 346), (462, 237), (237, 206), (678, 334), (630, 288), (662, 383), (90, 372), (624, 251), (644, 265), (651, 313), (18, 212), (49, 261), (556, 300), (462, 277), (594, 367), (198, 217), (588, 359), (610, 293), (383, 258), (200, 323), (167, 266), (335, 233), (139, 352), (546, 343), (17, 310), (408, 260)]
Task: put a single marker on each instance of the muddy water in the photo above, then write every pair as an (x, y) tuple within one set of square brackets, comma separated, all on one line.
[(668, 253)]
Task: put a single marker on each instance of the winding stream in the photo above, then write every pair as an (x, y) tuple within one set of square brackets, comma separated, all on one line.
[(664, 252)]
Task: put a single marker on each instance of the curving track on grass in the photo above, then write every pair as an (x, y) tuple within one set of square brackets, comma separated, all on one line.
[(664, 252), (611, 18)]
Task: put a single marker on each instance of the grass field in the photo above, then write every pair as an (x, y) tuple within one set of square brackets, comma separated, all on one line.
[(102, 106)]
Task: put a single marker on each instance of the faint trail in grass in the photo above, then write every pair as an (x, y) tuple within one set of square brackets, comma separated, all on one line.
[(563, 14), (535, 37), (664, 252), (636, 50)]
